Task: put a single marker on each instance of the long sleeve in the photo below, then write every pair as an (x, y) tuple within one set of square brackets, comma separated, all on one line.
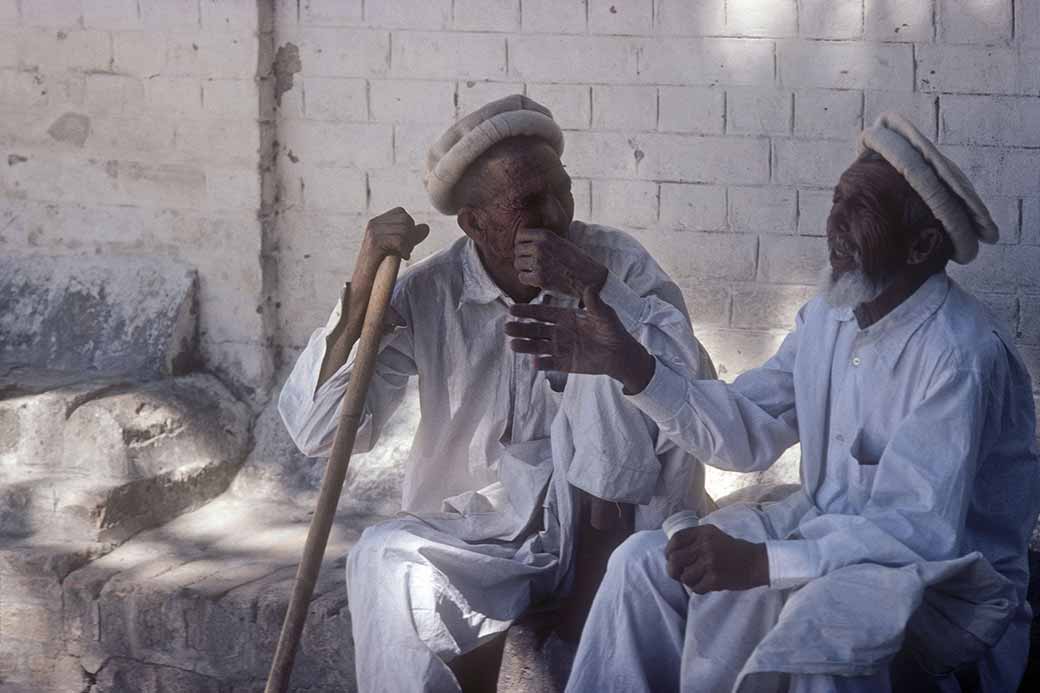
[(920, 493), (311, 413), (744, 426)]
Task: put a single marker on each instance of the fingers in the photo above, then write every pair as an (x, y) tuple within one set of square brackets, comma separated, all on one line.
[(549, 314), (531, 346), (530, 330), (525, 236)]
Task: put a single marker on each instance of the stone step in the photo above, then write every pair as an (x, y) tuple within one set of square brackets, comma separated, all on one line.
[(99, 461), (195, 605)]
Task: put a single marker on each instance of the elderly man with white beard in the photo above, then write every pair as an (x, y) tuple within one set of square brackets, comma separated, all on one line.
[(903, 556)]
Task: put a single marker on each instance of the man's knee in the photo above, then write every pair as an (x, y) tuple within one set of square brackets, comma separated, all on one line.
[(374, 543), (641, 555)]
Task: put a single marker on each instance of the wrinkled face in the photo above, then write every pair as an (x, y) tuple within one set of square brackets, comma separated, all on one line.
[(863, 228), (524, 188)]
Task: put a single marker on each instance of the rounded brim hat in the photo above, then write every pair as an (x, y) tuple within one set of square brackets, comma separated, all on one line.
[(475, 133), (939, 182)]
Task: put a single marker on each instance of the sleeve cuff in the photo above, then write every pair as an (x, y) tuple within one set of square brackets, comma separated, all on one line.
[(626, 303), (792, 562), (663, 396)]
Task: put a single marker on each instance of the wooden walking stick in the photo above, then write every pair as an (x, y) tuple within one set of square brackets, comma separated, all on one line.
[(335, 473)]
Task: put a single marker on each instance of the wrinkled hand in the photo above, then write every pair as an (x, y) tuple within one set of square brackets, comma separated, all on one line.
[(706, 559), (549, 261), (390, 233), (591, 341)]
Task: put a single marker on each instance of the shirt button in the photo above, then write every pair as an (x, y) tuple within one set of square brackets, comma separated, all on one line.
[(856, 361)]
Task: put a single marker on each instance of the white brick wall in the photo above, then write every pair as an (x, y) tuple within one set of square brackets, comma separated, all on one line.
[(167, 159), (713, 130)]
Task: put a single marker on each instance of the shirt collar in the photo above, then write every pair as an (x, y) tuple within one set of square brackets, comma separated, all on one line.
[(478, 286), (890, 334)]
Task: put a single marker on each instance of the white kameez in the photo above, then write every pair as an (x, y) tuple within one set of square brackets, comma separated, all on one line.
[(487, 520), (919, 470)]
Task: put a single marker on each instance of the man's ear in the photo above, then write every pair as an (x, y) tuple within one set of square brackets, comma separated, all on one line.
[(925, 245), (470, 221)]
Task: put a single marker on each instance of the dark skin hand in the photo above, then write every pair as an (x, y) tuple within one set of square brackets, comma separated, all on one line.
[(391, 233), (545, 259), (590, 340), (706, 559)]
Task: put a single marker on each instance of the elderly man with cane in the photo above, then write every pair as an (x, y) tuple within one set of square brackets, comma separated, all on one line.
[(502, 453), (901, 562)]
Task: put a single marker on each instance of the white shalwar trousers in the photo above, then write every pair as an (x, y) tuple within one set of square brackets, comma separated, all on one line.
[(646, 634), (425, 588)]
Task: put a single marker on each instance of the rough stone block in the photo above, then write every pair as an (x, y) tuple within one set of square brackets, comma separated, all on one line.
[(693, 207), (634, 17), (332, 189), (101, 462), (113, 94), (48, 50), (974, 21), (553, 16), (449, 56), (762, 210), (827, 19), (706, 61), (486, 15), (107, 315), (9, 12), (626, 204), (624, 108), (846, 65), (581, 59), (138, 53), (905, 20), (828, 114), (758, 112), (691, 109)]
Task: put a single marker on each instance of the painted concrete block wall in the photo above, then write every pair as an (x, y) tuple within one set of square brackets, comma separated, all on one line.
[(130, 127), (712, 130)]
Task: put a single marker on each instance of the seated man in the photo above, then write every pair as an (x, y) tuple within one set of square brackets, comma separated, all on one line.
[(919, 468), (489, 517)]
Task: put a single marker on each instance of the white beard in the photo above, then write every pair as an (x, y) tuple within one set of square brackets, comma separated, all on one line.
[(849, 289)]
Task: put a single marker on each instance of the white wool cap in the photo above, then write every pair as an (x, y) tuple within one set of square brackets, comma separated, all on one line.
[(939, 182), (475, 133)]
